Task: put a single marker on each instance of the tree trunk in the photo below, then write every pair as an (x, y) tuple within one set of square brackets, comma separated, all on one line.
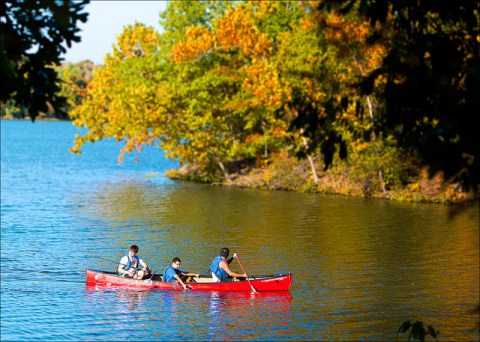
[(370, 112), (221, 165), (382, 183), (310, 159)]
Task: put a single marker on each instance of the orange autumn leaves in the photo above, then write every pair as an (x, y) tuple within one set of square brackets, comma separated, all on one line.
[(223, 88), (350, 36), (236, 29), (236, 32)]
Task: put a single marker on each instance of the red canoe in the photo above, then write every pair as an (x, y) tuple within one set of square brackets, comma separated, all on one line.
[(277, 282)]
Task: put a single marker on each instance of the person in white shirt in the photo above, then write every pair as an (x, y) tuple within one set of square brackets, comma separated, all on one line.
[(129, 265)]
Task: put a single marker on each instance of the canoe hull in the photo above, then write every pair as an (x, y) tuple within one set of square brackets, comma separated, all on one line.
[(278, 282)]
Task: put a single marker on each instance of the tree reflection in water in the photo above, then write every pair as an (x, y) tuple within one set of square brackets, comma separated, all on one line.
[(243, 312)]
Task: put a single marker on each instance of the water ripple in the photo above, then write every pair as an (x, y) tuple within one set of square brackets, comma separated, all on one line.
[(361, 267)]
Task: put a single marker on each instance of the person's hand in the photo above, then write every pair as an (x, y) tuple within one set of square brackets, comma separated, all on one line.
[(184, 286), (244, 275), (197, 275), (234, 255), (130, 273)]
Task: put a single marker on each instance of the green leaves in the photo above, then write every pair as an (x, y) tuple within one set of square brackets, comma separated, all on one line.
[(227, 81), (127, 97)]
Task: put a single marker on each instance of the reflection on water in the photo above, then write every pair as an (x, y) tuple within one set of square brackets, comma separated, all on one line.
[(361, 267), (130, 300), (208, 315), (243, 314)]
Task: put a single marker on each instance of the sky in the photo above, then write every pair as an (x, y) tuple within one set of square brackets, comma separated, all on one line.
[(106, 21)]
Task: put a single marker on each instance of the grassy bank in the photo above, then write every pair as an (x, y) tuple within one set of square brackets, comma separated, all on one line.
[(292, 174)]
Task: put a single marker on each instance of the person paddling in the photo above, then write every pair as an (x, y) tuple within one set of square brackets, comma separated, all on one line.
[(173, 272), (220, 269), (129, 265)]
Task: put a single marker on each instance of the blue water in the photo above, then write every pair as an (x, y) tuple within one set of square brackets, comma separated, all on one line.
[(361, 267)]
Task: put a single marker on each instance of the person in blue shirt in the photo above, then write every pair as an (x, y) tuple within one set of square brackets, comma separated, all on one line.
[(173, 272), (220, 269)]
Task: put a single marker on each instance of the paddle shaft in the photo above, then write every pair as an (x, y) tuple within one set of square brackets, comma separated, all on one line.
[(253, 289), (113, 262)]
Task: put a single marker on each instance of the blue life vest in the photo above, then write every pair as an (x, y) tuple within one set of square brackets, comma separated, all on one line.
[(215, 268), (130, 262)]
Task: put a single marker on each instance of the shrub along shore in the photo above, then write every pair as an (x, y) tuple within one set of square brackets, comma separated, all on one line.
[(291, 174)]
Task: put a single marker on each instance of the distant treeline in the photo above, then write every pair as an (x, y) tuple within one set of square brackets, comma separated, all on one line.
[(73, 80)]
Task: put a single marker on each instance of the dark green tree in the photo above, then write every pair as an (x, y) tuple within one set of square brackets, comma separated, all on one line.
[(432, 94), (33, 36)]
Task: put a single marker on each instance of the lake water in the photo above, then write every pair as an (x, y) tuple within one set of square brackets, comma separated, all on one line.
[(361, 266)]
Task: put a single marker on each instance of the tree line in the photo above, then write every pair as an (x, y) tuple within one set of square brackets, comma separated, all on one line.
[(381, 87)]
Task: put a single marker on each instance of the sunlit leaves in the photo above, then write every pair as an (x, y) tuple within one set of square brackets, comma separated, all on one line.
[(127, 97), (236, 39), (323, 76), (139, 41), (225, 86), (232, 90)]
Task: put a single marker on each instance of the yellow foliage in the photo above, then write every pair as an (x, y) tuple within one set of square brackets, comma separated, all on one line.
[(120, 101)]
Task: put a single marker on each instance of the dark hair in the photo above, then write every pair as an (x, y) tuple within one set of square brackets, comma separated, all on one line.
[(134, 248), (176, 259), (224, 252)]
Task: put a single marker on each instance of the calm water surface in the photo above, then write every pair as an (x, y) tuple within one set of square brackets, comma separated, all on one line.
[(361, 267)]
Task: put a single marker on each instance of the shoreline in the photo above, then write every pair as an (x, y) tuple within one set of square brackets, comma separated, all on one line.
[(294, 175), (424, 190)]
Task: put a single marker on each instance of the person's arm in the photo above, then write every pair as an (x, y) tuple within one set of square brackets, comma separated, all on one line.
[(190, 274), (121, 266), (144, 264), (224, 266), (229, 261), (180, 281)]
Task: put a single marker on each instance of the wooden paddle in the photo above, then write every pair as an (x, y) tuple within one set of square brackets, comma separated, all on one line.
[(253, 289)]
